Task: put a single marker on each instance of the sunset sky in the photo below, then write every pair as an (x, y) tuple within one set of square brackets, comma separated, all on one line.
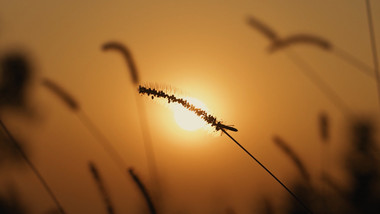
[(203, 49)]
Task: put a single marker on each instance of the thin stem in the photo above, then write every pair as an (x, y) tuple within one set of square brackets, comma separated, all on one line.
[(107, 146), (33, 168), (270, 173), (73, 105), (373, 46), (349, 58), (314, 78), (150, 155)]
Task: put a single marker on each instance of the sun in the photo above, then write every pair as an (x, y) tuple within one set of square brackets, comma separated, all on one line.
[(186, 119)]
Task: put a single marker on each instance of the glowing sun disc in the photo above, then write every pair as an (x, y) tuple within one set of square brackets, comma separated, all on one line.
[(186, 119)]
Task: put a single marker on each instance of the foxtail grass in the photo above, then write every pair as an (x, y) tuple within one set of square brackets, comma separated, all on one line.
[(33, 168), (74, 106), (304, 67), (217, 125), (101, 187), (140, 185), (263, 28), (148, 145), (171, 98), (127, 56), (294, 157), (300, 39), (277, 43)]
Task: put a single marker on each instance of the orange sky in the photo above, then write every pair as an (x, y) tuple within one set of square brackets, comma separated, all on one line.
[(206, 50)]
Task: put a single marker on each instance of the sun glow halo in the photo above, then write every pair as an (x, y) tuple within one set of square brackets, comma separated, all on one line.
[(186, 119)]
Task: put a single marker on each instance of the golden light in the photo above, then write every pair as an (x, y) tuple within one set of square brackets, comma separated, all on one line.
[(186, 119)]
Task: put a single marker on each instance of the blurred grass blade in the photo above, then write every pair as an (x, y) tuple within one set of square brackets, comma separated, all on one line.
[(61, 93), (33, 168), (143, 190), (127, 56), (293, 156), (300, 39), (102, 190)]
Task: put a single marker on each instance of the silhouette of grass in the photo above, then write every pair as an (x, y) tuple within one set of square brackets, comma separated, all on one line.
[(11, 203), (287, 149), (65, 97), (143, 190), (324, 127), (306, 69), (353, 61), (173, 99), (277, 43), (33, 168), (73, 105), (148, 145), (102, 190), (15, 74), (327, 179), (324, 132), (327, 90), (299, 39), (269, 172), (267, 206), (214, 123), (127, 56), (9, 154), (263, 28)]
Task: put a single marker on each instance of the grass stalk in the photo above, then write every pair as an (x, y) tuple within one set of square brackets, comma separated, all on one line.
[(269, 172), (33, 168), (287, 149), (73, 105), (214, 122), (276, 42), (353, 61), (313, 77)]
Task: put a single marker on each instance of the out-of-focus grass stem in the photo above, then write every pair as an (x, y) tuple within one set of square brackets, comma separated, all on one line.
[(33, 168)]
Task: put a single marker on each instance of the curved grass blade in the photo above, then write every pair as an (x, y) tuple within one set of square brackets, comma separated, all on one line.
[(143, 190), (102, 190)]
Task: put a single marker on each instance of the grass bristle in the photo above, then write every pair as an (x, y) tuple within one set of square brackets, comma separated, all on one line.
[(171, 98)]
